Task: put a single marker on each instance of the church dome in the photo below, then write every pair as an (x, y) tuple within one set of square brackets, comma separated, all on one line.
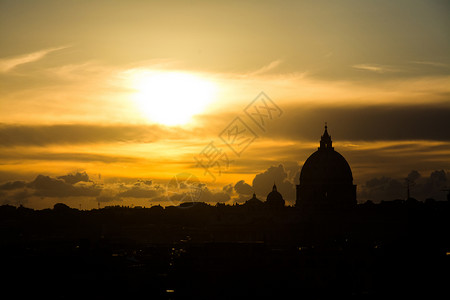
[(274, 198), (326, 180), (326, 166), (254, 201)]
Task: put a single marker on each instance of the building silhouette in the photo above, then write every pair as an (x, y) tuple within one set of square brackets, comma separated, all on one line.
[(326, 180), (274, 198), (254, 203)]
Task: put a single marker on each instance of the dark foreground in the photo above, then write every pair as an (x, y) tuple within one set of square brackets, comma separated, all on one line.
[(222, 252)]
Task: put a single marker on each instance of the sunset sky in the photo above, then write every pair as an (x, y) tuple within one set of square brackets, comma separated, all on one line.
[(108, 101)]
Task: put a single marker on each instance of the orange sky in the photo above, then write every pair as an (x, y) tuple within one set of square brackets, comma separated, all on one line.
[(125, 95)]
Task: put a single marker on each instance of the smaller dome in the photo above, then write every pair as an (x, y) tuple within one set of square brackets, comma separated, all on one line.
[(254, 201), (274, 198)]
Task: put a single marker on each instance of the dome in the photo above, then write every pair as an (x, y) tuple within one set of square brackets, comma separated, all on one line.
[(326, 166), (326, 179), (254, 201), (274, 198)]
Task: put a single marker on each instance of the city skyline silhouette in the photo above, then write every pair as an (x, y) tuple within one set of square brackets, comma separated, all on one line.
[(325, 245), (224, 149)]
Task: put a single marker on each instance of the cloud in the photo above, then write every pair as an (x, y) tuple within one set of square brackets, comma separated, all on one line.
[(46, 186), (228, 189), (284, 179), (272, 65), (263, 183), (433, 186), (74, 178), (32, 154), (370, 122), (382, 188), (431, 63), (376, 68), (213, 196), (243, 190), (109, 193), (138, 192), (19, 197), (144, 182), (7, 64), (42, 135), (69, 185), (421, 188), (107, 198), (413, 176), (186, 194), (241, 187), (13, 185), (174, 198)]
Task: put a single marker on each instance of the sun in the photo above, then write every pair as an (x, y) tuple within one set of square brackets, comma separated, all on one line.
[(172, 98)]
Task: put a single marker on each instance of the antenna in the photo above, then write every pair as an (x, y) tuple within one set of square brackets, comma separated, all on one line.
[(407, 189), (409, 183)]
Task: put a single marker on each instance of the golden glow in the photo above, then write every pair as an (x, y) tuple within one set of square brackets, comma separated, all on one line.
[(171, 98), (80, 94)]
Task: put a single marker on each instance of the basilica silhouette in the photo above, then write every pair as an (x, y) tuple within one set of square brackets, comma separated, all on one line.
[(326, 183), (326, 180)]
